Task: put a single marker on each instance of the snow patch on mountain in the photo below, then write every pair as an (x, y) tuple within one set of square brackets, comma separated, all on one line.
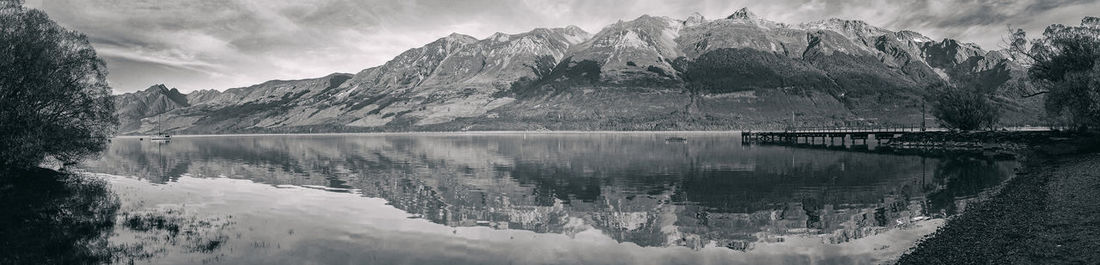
[(629, 39), (575, 35), (694, 20)]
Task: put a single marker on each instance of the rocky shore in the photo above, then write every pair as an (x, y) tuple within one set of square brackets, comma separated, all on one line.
[(997, 144), (1048, 214)]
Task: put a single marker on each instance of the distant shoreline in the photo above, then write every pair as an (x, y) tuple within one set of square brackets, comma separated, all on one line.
[(433, 133), (1010, 129)]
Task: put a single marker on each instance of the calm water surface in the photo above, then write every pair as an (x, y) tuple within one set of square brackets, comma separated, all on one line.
[(591, 198)]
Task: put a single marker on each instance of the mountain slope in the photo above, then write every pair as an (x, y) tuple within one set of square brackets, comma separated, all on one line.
[(744, 71), (155, 100), (650, 73)]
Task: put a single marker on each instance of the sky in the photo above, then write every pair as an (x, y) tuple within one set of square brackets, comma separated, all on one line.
[(220, 44)]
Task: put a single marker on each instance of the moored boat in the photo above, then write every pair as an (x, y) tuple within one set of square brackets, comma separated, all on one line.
[(676, 139)]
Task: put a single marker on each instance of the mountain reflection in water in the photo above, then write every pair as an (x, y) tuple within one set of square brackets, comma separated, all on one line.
[(708, 192)]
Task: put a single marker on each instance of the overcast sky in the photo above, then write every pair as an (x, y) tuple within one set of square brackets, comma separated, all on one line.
[(219, 44)]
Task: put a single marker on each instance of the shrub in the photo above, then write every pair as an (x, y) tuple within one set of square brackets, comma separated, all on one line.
[(54, 98)]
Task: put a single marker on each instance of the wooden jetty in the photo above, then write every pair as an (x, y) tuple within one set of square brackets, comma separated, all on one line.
[(826, 136)]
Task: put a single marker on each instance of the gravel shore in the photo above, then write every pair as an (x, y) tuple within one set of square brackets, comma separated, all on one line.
[(1048, 214)]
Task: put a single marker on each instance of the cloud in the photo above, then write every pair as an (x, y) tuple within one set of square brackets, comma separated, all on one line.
[(202, 44), (173, 58)]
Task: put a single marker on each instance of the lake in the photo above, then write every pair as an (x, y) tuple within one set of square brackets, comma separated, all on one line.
[(526, 198)]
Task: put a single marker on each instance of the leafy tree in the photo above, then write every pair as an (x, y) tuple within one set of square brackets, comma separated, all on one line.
[(962, 109), (1071, 77), (54, 97), (1066, 67)]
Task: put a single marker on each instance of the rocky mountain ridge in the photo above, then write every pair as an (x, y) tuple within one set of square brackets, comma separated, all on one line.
[(651, 73)]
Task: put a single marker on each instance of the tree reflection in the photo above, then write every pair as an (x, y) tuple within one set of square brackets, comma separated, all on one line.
[(962, 177), (51, 217)]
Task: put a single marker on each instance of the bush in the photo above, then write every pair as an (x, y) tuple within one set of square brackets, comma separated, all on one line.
[(965, 110), (54, 98)]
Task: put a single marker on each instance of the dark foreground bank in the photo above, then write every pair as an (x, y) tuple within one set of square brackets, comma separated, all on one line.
[(50, 217), (1048, 214)]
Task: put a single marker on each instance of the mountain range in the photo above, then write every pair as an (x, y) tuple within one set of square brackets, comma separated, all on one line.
[(650, 73)]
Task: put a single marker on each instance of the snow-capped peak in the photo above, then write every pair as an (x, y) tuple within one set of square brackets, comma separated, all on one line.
[(574, 28), (575, 35), (906, 35), (457, 37), (743, 14), (850, 28), (694, 19), (500, 37)]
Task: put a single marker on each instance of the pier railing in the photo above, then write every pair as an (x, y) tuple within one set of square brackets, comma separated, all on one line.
[(831, 136), (903, 128)]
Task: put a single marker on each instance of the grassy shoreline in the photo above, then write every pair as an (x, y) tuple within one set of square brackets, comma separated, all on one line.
[(1048, 214)]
